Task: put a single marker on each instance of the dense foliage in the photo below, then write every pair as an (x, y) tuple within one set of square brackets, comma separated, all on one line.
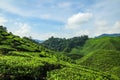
[(102, 60), (66, 45), (79, 73), (92, 59), (26, 65)]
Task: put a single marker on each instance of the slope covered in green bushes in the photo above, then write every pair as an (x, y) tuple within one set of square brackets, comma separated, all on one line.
[(25, 59), (106, 43), (28, 65), (79, 73), (45, 66), (16, 43), (102, 54)]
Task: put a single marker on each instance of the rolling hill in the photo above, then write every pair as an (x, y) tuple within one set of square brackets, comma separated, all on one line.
[(26, 59), (12, 42), (109, 35), (106, 43), (102, 54), (23, 58)]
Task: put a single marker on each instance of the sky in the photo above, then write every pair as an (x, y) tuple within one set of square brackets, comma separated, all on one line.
[(42, 19)]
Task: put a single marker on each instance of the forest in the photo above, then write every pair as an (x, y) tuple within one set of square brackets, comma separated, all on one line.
[(77, 58)]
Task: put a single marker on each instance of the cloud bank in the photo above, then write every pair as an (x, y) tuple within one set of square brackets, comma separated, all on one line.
[(60, 18), (22, 30), (77, 20), (2, 20)]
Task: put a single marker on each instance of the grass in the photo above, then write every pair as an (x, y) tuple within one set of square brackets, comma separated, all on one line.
[(26, 65), (106, 43), (23, 59), (103, 60), (79, 73)]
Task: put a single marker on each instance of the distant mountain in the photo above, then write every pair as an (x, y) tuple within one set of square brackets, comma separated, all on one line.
[(39, 41), (111, 35)]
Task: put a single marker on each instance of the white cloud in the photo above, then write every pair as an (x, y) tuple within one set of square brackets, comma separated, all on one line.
[(46, 16), (8, 6), (101, 23), (77, 20), (105, 19), (45, 36), (82, 32), (27, 10), (102, 27), (42, 36), (22, 30), (2, 20), (116, 27), (64, 5)]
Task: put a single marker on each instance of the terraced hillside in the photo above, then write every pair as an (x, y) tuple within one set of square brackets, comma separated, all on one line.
[(44, 66), (103, 54), (10, 42), (79, 73), (106, 43), (24, 59)]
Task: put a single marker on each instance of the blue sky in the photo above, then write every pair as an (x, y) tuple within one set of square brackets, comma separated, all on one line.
[(42, 19)]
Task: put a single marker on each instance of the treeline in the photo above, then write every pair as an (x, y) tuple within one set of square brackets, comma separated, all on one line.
[(63, 44)]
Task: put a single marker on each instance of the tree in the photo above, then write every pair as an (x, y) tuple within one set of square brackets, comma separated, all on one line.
[(66, 45), (2, 28)]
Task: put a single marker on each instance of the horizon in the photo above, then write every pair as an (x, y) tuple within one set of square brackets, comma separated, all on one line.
[(63, 19)]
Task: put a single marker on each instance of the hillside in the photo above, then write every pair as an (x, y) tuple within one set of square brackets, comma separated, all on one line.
[(109, 35), (102, 60), (43, 66), (70, 47), (11, 42), (102, 54), (23, 58), (79, 73), (106, 43), (26, 59)]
